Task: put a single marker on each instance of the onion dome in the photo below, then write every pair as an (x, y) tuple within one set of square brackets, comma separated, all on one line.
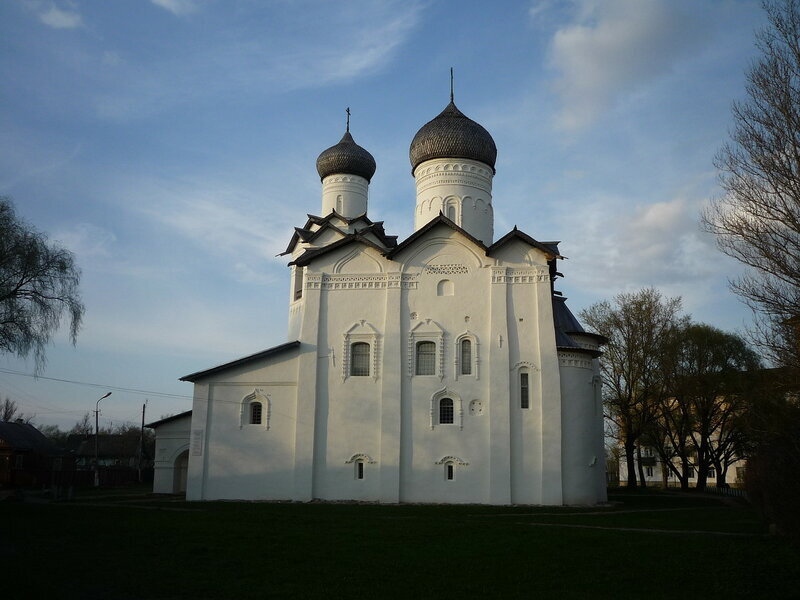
[(452, 135), (346, 157)]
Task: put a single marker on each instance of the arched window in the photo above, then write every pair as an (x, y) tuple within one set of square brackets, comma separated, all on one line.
[(446, 411), (466, 357), (256, 410), (445, 288), (426, 358), (451, 213), (449, 471), (359, 359), (339, 204), (524, 393), (359, 469)]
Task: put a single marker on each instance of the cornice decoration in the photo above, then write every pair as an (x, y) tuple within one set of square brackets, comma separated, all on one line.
[(450, 269), (377, 281), (574, 359), (520, 276)]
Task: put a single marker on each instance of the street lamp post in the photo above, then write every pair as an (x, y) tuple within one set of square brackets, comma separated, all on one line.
[(96, 436)]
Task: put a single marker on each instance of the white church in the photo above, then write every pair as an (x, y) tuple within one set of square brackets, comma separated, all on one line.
[(442, 368)]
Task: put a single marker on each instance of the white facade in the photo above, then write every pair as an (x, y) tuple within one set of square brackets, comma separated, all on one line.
[(170, 469), (440, 369)]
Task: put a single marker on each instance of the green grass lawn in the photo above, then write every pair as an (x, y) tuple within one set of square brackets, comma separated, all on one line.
[(137, 547)]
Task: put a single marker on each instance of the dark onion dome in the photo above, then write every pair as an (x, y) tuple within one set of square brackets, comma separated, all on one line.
[(346, 157), (452, 135)]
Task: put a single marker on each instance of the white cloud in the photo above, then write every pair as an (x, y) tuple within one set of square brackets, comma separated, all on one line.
[(613, 48), (49, 13), (87, 240), (177, 7), (334, 44)]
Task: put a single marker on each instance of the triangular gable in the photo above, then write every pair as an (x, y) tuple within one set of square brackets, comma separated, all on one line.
[(310, 255), (242, 361), (433, 223), (550, 249), (306, 234)]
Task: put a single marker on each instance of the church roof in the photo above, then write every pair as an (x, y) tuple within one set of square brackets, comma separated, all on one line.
[(566, 324), (240, 361), (306, 234), (439, 220), (451, 134), (350, 238), (549, 248), (346, 157)]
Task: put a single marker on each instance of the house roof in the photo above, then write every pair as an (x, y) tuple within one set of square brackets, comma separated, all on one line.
[(169, 419), (241, 361), (24, 436)]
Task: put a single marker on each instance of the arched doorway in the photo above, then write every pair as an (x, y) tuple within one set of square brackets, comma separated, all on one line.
[(180, 471)]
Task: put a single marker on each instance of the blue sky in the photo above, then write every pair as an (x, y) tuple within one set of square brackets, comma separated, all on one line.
[(171, 145)]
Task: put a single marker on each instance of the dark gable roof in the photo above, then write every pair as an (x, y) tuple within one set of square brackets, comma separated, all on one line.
[(309, 255), (165, 420), (305, 234), (549, 248), (24, 436), (439, 220), (240, 361)]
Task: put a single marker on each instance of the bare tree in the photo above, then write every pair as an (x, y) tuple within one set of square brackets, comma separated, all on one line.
[(757, 221), (38, 283), (637, 326), (9, 411), (84, 426)]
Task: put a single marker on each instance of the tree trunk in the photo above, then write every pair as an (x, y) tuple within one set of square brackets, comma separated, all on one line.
[(639, 465), (664, 474), (684, 477), (630, 462)]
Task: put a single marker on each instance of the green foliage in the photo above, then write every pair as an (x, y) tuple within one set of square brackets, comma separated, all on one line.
[(38, 284)]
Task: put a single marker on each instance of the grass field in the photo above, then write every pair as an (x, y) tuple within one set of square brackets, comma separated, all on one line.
[(645, 545)]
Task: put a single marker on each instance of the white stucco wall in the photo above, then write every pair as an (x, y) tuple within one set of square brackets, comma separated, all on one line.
[(172, 439)]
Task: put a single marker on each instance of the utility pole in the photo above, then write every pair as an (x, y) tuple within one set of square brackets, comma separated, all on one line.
[(96, 436), (141, 440)]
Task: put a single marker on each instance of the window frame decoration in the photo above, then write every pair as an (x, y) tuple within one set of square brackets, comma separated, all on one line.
[(245, 415), (458, 409), (361, 331), (450, 463), (426, 330), (362, 459), (475, 358)]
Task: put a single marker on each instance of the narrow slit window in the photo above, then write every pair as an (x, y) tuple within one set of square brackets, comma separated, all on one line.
[(426, 358), (256, 410), (446, 411), (449, 470), (360, 469), (524, 401), (466, 357), (359, 359)]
